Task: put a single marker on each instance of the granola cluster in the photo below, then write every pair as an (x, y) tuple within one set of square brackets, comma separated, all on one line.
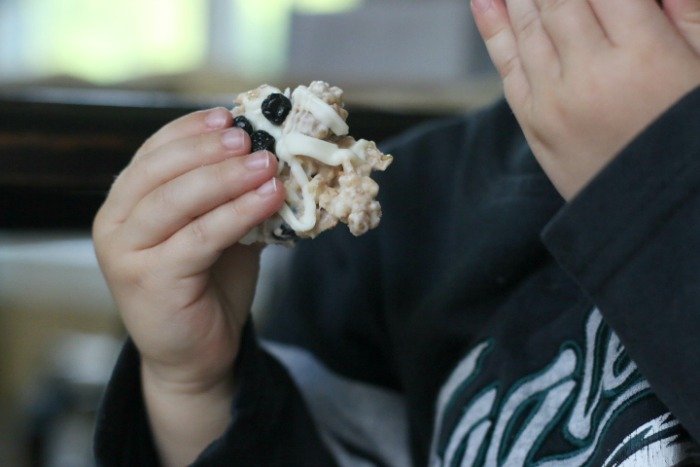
[(325, 171)]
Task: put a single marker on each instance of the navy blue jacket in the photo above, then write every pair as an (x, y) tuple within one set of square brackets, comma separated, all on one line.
[(485, 322)]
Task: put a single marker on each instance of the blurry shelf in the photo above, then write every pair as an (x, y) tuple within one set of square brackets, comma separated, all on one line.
[(454, 98), (60, 148)]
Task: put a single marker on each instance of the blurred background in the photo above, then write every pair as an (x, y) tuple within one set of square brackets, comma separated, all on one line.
[(83, 82)]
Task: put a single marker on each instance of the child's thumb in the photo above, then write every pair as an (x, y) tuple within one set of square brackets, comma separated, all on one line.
[(685, 14)]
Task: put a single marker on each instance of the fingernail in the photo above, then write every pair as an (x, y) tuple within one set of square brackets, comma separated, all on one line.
[(268, 188), (257, 160), (481, 5), (217, 118), (232, 138)]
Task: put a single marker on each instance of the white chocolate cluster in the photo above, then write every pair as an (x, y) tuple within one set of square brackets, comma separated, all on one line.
[(325, 171)]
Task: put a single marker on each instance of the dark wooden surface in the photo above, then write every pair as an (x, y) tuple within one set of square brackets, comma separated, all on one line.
[(60, 151)]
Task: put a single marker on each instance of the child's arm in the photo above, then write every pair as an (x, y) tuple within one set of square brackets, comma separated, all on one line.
[(166, 239), (631, 240)]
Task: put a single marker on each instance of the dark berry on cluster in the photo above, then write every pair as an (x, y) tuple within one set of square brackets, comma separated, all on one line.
[(243, 123), (285, 232), (262, 140), (276, 107)]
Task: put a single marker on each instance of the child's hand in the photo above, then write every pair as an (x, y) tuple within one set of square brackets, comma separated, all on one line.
[(584, 77), (685, 15), (166, 239)]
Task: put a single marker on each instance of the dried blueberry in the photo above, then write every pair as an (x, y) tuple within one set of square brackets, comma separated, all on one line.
[(262, 140), (284, 232), (276, 107), (243, 123)]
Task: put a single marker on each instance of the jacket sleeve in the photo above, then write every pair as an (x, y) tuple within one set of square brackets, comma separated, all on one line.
[(631, 239), (315, 383), (271, 424)]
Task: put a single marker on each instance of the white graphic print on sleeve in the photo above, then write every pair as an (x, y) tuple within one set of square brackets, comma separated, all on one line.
[(654, 443), (580, 399)]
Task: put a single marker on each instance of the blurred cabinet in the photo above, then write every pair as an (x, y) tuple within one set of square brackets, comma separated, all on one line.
[(390, 43), (60, 149)]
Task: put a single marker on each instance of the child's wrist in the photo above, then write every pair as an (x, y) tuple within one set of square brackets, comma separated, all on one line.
[(185, 381), (185, 416)]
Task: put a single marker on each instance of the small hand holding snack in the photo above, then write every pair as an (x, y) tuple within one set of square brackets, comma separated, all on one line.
[(167, 242), (178, 238), (584, 77)]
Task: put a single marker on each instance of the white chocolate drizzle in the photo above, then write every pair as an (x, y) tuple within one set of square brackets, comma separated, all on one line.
[(290, 145), (296, 144), (323, 112)]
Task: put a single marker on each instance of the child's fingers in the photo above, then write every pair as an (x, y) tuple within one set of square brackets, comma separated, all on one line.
[(625, 21), (199, 244), (187, 125), (573, 28), (167, 162), (685, 14), (494, 26), (537, 54), (173, 205)]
